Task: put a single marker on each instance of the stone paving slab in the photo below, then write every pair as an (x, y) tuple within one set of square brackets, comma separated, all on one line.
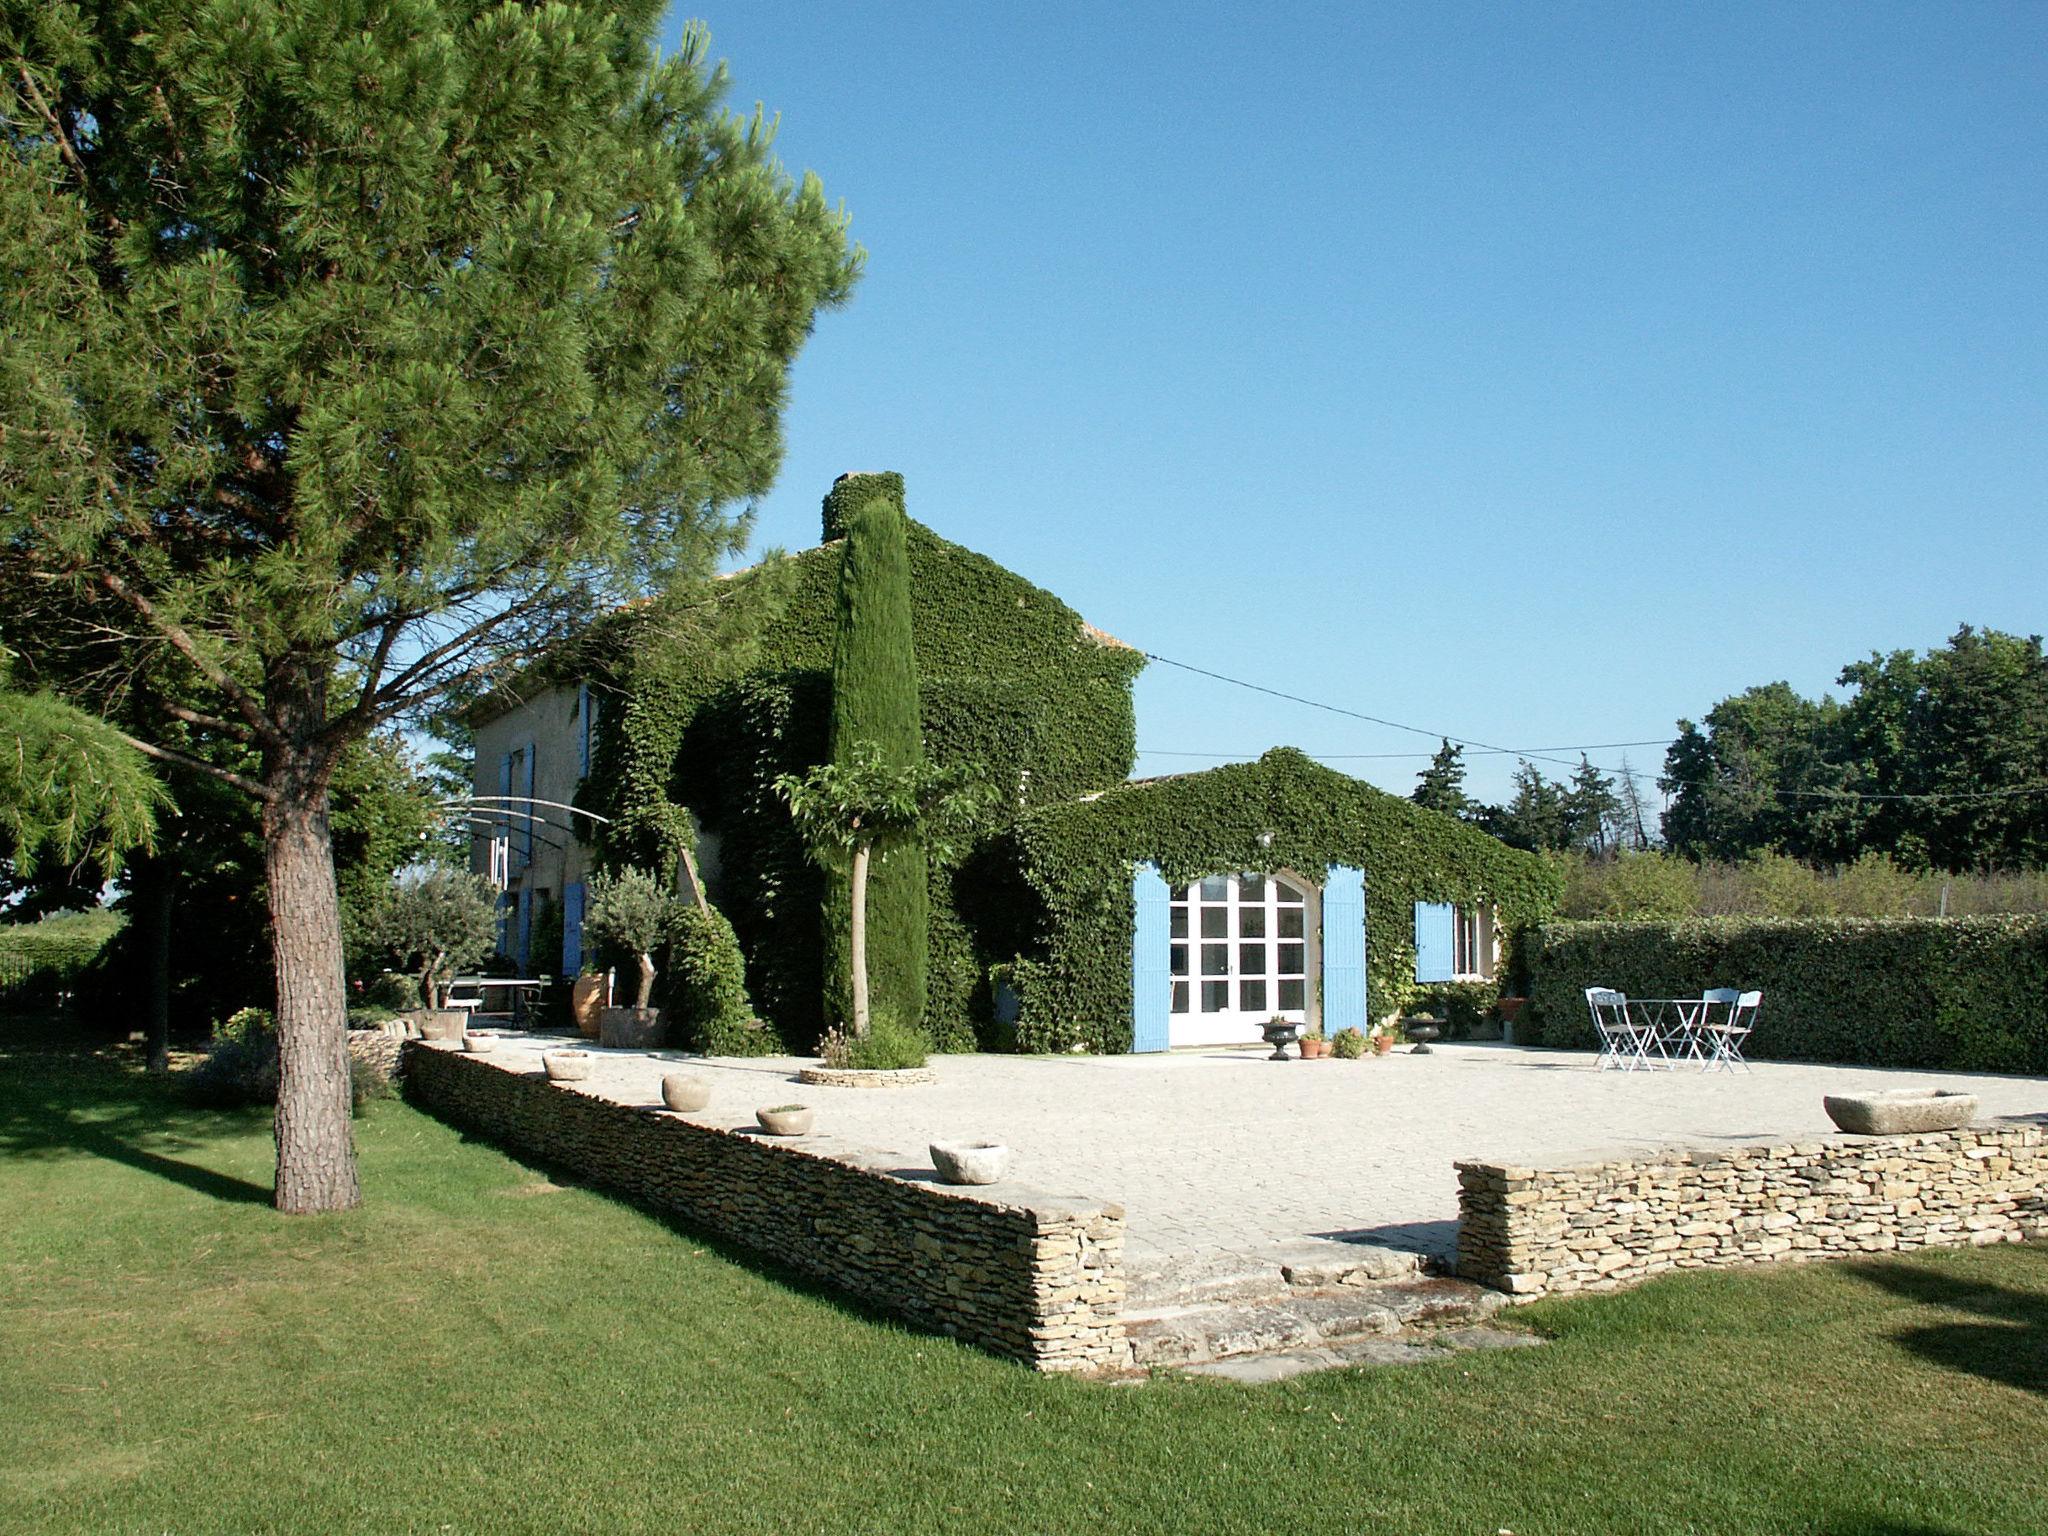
[(1221, 1158)]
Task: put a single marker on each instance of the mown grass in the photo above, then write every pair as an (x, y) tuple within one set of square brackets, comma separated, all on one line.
[(481, 1350)]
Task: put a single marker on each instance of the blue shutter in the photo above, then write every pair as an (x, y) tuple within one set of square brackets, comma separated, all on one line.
[(1151, 985), (525, 927), (572, 929), (1343, 949), (583, 714), (1435, 940), (526, 841)]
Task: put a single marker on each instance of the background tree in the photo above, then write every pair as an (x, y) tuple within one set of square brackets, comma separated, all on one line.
[(875, 712), (71, 788), (857, 813), (350, 355), (1441, 786), (1535, 816), (436, 923), (1592, 811)]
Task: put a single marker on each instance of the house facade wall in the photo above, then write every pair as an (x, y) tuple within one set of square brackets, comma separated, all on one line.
[(535, 749)]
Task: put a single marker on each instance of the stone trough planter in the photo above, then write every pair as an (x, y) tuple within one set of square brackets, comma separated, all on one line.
[(785, 1120), (856, 1077), (1900, 1111), (970, 1162), (476, 1045), (685, 1092), (566, 1066)]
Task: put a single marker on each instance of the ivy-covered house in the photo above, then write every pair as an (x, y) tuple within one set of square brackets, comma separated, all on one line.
[(1087, 912)]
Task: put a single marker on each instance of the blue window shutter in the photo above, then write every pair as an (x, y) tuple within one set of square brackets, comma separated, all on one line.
[(525, 927), (1343, 949), (1435, 940), (1151, 984), (572, 929), (526, 841), (583, 714)]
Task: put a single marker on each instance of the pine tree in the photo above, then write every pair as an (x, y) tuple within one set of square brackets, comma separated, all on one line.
[(875, 711), (350, 354), (1441, 786), (1592, 811)]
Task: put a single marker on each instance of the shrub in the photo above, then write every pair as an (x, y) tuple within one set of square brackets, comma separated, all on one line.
[(438, 924), (240, 1067), (41, 962), (890, 1045), (1348, 1044), (1954, 994), (392, 992), (706, 988)]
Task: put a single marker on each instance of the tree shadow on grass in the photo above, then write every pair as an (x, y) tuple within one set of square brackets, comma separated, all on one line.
[(91, 1105), (1885, 1525), (2010, 1347)]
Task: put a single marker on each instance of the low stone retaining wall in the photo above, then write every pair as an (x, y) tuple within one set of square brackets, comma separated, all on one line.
[(1534, 1231), (1034, 1277), (377, 1050)]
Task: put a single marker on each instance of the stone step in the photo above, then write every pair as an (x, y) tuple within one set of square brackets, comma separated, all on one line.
[(1201, 1332), (1273, 1273), (1402, 1349)]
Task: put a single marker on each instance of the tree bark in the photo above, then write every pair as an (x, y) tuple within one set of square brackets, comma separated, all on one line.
[(857, 940), (646, 981), (316, 1160)]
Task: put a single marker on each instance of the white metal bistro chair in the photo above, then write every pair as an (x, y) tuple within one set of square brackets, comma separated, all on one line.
[(1724, 1041), (1696, 1022), (1624, 1044)]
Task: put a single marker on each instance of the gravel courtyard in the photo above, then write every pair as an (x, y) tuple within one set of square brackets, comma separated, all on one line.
[(1222, 1152)]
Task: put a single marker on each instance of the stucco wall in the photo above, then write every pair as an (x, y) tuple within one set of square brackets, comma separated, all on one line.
[(1535, 1231), (1031, 1276)]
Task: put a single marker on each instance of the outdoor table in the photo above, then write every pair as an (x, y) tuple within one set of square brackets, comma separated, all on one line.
[(513, 989), (1675, 1029)]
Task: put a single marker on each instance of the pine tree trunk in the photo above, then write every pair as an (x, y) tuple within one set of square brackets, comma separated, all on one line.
[(857, 940), (316, 1161)]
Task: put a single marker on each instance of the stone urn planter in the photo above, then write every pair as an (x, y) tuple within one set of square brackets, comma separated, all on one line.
[(442, 1023), (970, 1162), (477, 1045), (1899, 1111), (1280, 1033), (586, 1000), (685, 1092), (566, 1066), (785, 1119), (629, 1029)]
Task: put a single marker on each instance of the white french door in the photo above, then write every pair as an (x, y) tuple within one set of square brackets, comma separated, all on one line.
[(1239, 955)]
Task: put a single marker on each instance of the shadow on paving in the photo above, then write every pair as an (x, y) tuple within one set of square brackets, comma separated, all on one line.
[(2010, 1348), (87, 1105)]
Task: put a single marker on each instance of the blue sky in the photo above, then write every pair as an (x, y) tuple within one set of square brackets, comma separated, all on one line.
[(1534, 374)]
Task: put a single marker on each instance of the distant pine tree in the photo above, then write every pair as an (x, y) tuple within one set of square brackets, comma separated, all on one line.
[(875, 706), (1441, 786)]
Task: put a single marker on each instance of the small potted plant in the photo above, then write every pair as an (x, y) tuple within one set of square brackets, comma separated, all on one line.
[(633, 911), (1348, 1044), (1313, 1046), (1382, 1042)]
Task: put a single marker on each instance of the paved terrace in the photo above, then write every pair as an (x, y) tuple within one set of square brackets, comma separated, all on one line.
[(1221, 1153)]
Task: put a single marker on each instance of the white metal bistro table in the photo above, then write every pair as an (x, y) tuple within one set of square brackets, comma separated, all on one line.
[(1651, 1032), (517, 993)]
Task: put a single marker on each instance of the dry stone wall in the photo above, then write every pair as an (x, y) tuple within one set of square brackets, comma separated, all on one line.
[(1537, 1231), (1033, 1277)]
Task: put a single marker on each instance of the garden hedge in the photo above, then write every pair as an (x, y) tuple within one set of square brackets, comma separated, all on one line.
[(39, 962), (1953, 994), (1074, 980)]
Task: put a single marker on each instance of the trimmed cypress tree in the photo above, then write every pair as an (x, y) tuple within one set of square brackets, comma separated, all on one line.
[(875, 706)]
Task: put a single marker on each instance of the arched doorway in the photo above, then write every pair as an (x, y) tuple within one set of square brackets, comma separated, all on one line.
[(1242, 948)]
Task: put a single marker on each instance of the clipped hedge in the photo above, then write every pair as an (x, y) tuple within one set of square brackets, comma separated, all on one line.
[(40, 962), (1966, 994), (1073, 979), (705, 988)]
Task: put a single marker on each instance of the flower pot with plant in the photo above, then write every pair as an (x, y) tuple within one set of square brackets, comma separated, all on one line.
[(1313, 1046), (631, 910), (1382, 1043), (1348, 1044)]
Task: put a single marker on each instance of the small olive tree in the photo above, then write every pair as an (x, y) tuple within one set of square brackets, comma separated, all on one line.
[(854, 812), (437, 925), (632, 910)]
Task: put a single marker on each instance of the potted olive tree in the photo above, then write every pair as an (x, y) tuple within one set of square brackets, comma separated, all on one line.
[(437, 924), (633, 911)]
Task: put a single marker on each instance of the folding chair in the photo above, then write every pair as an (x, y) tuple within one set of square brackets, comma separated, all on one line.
[(1724, 1041), (1623, 1044), (1697, 1020)]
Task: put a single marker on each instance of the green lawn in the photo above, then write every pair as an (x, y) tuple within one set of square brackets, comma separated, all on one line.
[(480, 1350)]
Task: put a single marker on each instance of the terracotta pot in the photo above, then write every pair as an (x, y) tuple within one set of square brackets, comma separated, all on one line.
[(586, 997), (1508, 1007), (1314, 1050), (1381, 1044), (629, 1029)]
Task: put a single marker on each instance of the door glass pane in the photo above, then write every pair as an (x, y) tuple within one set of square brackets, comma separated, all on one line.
[(1251, 996), (1179, 964), (1215, 959), (1179, 922), (1180, 997), (1251, 922), (1216, 888), (1285, 891), (1251, 887), (1215, 922), (1215, 996), (1289, 919), (1251, 959), (1293, 996), (1293, 959)]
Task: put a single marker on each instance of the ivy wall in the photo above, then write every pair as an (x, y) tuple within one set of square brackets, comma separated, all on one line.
[(1284, 812)]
